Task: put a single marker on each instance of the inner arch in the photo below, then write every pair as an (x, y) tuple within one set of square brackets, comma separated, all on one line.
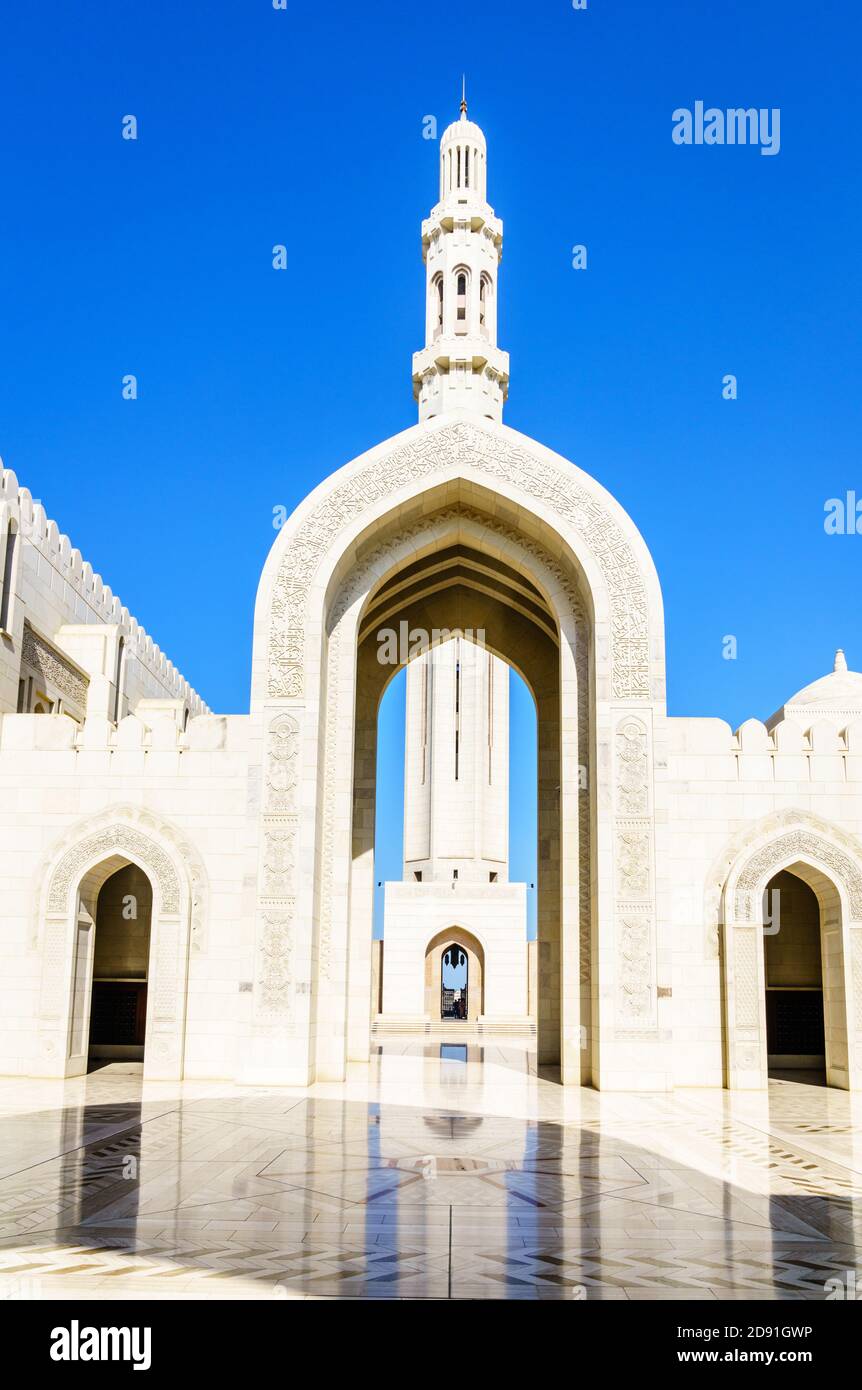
[(467, 578)]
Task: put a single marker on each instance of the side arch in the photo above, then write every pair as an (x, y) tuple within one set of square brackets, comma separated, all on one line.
[(67, 892), (830, 862)]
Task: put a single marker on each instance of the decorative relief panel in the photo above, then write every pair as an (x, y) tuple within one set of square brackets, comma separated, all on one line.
[(582, 667), (856, 965), (745, 983), (633, 855), (574, 504), (279, 859), (276, 949), (280, 837), (803, 844), (281, 765), (633, 861), (165, 1002), (53, 995), (115, 839), (634, 968), (333, 671), (748, 1056), (632, 769), (53, 667)]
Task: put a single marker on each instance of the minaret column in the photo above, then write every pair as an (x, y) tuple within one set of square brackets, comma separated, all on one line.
[(461, 366), (456, 778)]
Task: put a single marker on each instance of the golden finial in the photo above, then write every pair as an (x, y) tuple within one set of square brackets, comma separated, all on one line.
[(463, 94)]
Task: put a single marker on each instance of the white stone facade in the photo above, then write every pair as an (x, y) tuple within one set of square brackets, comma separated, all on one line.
[(658, 836)]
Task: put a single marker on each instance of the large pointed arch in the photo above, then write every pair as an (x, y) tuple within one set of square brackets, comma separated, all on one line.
[(516, 505)]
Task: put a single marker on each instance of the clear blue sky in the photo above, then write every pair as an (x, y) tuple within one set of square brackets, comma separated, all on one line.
[(259, 126)]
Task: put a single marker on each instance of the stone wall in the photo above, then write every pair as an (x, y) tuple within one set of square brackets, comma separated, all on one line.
[(714, 788), (189, 791)]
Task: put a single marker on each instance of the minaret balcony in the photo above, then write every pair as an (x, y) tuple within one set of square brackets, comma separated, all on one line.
[(468, 349)]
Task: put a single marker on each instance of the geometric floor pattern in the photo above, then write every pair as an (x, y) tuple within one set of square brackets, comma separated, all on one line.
[(432, 1173)]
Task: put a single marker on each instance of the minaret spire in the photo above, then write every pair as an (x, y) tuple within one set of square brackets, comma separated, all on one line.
[(460, 366)]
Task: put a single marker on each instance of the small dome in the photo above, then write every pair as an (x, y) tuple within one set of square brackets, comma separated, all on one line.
[(837, 697), (463, 132)]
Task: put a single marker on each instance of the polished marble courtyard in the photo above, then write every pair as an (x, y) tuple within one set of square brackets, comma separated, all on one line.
[(440, 1171)]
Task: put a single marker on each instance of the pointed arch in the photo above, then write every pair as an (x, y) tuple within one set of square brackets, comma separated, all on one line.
[(68, 888), (555, 541), (435, 949), (830, 862)]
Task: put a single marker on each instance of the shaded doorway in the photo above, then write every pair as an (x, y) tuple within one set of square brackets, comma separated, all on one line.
[(121, 949), (454, 982), (795, 1035)]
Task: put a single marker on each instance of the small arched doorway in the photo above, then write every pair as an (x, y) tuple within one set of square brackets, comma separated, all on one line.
[(112, 964), (454, 976), (118, 1014), (802, 993), (791, 940)]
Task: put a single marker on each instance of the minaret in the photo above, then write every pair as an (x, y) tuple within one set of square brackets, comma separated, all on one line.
[(456, 766), (460, 366)]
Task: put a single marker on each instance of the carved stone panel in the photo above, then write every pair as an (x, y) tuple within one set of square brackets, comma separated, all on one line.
[(746, 988), (634, 968), (53, 667), (278, 871), (281, 765), (632, 769), (117, 838), (276, 949), (802, 844), (279, 859)]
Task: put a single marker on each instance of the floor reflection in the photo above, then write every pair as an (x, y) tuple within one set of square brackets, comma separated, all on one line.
[(442, 1170)]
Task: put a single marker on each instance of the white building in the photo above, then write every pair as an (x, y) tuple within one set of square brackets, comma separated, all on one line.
[(200, 887)]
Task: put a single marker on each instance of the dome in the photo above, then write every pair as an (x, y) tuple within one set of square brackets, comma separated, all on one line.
[(837, 697), (464, 132)]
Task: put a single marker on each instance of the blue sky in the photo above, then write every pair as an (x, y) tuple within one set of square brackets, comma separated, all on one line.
[(304, 127)]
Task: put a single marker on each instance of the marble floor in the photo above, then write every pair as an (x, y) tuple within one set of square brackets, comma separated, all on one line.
[(461, 1175)]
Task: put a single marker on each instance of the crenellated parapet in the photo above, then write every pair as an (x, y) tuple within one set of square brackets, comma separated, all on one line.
[(145, 733), (821, 752), (35, 529)]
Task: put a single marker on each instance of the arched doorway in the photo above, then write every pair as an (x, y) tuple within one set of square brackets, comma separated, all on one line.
[(167, 891), (455, 981), (111, 964), (121, 954), (795, 1039), (792, 927), (454, 976)]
